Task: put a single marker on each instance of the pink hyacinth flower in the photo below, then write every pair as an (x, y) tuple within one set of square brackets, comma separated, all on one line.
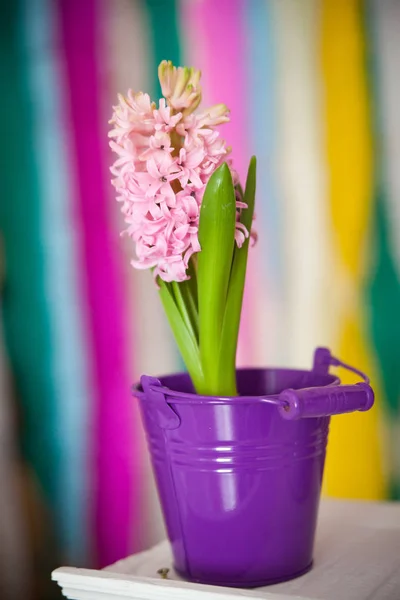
[(165, 157)]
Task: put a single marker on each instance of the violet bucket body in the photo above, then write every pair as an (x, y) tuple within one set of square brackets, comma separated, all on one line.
[(239, 479)]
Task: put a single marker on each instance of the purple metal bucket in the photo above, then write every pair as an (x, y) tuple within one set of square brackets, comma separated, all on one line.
[(239, 479)]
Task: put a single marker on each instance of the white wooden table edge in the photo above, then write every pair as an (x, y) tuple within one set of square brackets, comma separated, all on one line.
[(94, 583)]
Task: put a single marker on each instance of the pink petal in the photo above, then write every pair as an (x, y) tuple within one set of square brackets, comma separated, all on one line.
[(152, 168), (194, 240), (181, 232), (242, 227), (192, 209), (239, 238), (195, 157), (195, 179)]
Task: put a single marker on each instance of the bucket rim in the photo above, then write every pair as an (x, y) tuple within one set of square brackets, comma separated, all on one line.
[(193, 398)]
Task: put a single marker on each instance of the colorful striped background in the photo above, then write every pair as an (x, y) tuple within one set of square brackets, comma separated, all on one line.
[(314, 91)]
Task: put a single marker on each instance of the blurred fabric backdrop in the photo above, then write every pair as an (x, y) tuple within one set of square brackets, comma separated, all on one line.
[(314, 92)]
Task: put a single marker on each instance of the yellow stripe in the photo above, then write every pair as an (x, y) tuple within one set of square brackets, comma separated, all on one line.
[(355, 457)]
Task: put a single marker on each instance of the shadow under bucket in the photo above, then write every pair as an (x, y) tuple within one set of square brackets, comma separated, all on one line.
[(239, 479)]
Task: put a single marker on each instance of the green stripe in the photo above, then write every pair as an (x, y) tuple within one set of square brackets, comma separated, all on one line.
[(384, 286), (25, 314), (385, 324), (163, 24), (385, 305), (383, 290)]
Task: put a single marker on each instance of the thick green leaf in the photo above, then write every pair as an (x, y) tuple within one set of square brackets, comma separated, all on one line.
[(231, 324), (214, 262), (183, 333)]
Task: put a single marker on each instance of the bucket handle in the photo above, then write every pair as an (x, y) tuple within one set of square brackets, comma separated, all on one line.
[(322, 401), (325, 401)]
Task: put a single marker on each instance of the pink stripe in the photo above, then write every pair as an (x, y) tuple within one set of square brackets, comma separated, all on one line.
[(223, 68), (217, 47), (113, 443)]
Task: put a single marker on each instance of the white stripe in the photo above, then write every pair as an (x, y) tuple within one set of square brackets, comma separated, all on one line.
[(307, 253)]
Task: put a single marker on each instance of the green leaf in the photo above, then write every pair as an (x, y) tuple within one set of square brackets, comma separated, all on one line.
[(249, 197), (214, 262), (239, 189), (183, 333), (186, 305), (192, 282), (231, 323)]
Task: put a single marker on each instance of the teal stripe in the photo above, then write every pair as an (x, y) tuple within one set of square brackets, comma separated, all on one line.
[(261, 91), (25, 304), (384, 286), (61, 265), (163, 24), (261, 68)]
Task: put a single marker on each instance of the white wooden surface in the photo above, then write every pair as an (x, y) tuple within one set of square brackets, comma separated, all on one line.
[(357, 557)]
